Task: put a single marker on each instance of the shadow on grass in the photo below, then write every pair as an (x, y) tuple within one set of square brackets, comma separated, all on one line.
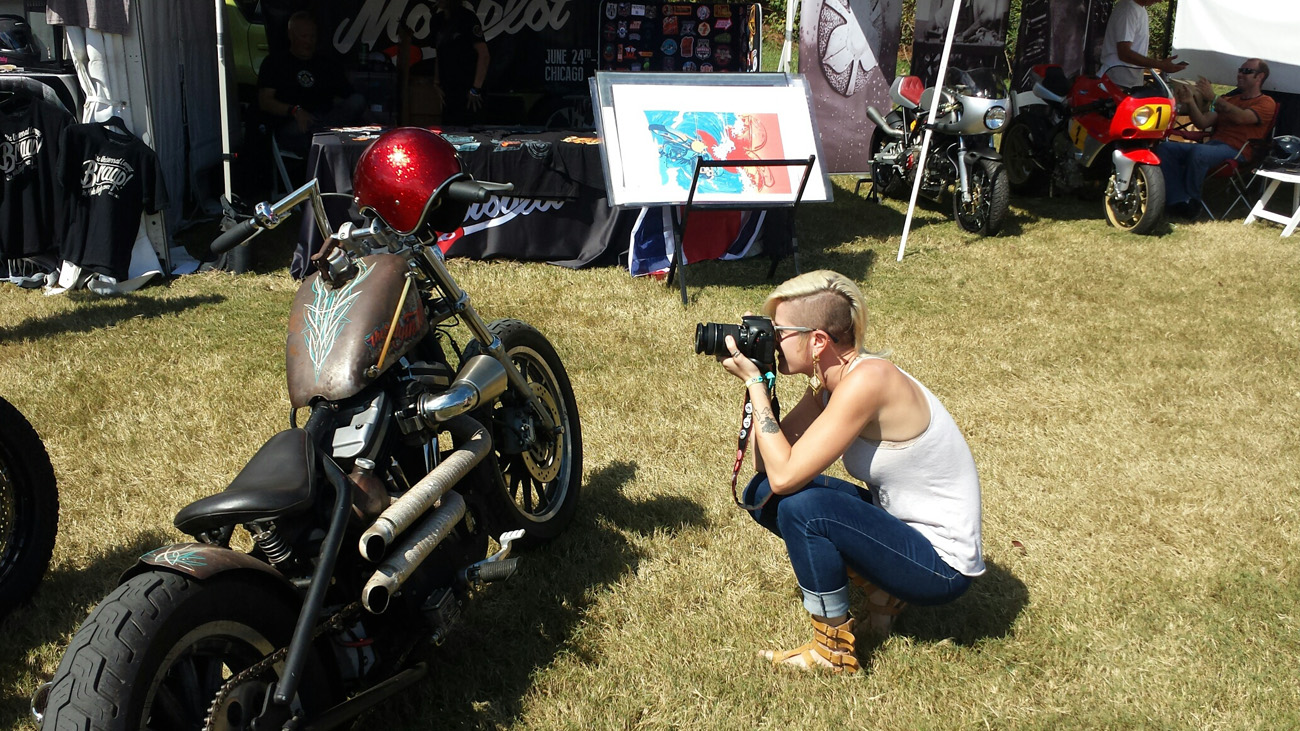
[(56, 610), (480, 677), (988, 610), (96, 313)]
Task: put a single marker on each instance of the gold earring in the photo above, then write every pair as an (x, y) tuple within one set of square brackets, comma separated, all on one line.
[(815, 381)]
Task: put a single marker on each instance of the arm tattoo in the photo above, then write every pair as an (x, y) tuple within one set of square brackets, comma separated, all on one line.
[(767, 422)]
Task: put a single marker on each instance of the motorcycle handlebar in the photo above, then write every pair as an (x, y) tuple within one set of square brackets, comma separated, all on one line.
[(475, 191), (237, 235)]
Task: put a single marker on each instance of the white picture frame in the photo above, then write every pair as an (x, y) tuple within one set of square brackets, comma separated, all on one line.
[(654, 127)]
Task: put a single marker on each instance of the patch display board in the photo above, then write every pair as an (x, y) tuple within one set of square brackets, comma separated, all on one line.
[(690, 37), (654, 128)]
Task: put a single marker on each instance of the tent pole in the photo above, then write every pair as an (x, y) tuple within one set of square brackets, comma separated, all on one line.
[(224, 91), (934, 107), (783, 65)]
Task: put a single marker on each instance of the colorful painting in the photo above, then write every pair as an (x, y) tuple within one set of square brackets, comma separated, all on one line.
[(656, 130)]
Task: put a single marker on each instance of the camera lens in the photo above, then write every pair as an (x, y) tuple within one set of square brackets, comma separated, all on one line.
[(711, 337)]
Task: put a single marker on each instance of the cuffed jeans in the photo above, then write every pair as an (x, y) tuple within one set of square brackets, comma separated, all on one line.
[(1185, 165), (831, 522)]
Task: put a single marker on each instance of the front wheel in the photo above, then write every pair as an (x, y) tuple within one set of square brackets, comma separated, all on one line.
[(155, 652), (537, 474), (1143, 208), (29, 508), (990, 196)]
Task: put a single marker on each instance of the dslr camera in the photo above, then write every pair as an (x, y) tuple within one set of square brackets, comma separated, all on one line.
[(755, 339)]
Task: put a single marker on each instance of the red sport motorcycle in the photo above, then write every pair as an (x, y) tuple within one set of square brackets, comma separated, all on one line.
[(1066, 134), (371, 524)]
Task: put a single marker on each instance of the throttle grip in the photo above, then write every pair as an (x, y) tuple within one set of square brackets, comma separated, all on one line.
[(237, 235)]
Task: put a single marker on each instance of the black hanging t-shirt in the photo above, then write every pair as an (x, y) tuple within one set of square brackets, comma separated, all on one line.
[(110, 177), (31, 202)]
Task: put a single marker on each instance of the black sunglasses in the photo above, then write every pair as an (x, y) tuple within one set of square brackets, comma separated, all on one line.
[(1247, 72)]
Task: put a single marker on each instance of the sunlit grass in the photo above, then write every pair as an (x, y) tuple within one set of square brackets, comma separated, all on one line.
[(1132, 403)]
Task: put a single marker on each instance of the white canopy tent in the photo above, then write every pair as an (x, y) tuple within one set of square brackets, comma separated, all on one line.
[(1214, 36)]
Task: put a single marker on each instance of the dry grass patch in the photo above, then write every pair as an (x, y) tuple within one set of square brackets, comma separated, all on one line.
[(1132, 404)]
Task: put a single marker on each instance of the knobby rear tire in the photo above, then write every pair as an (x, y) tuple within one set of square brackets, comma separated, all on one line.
[(155, 651), (29, 508)]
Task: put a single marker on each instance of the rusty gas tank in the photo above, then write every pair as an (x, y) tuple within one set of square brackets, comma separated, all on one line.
[(336, 333)]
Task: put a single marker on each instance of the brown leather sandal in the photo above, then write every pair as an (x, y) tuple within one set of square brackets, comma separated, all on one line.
[(882, 607), (832, 648)]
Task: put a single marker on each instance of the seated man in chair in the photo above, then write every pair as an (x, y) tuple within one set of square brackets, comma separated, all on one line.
[(302, 91), (1242, 115)]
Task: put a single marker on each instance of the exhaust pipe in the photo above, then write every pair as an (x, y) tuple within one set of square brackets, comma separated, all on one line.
[(882, 125), (417, 546), (473, 442), (482, 379)]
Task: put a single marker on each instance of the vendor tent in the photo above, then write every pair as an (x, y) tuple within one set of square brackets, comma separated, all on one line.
[(1214, 36)]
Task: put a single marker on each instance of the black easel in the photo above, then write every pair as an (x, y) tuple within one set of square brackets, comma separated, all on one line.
[(679, 227)]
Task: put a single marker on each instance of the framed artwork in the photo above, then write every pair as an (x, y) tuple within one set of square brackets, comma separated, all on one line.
[(654, 129)]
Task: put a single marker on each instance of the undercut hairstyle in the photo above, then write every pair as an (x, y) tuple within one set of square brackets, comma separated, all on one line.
[(827, 301)]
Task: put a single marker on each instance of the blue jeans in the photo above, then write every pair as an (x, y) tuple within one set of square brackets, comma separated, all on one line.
[(831, 522), (1186, 164)]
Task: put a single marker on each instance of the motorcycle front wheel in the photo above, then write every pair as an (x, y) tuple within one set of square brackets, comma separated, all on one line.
[(1142, 210), (990, 196), (537, 475), (29, 508), (156, 650)]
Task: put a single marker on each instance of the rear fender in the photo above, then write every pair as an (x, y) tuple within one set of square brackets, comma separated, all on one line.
[(202, 561)]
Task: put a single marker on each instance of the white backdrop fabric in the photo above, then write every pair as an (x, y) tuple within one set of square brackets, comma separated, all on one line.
[(1215, 36)]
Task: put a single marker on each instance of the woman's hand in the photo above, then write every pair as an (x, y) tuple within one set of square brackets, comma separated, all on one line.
[(736, 363)]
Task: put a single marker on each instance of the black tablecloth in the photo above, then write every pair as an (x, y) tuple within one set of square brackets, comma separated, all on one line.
[(557, 211)]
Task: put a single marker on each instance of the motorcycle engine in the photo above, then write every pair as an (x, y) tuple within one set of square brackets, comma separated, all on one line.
[(1067, 173)]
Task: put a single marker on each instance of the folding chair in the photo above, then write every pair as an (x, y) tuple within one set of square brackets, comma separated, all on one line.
[(283, 183), (1235, 171)]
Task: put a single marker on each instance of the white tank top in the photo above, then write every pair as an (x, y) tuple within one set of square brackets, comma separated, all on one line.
[(928, 482)]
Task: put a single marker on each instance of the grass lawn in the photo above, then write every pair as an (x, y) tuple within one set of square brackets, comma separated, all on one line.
[(1133, 405)]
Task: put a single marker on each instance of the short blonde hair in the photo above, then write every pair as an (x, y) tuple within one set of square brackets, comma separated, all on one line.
[(828, 301)]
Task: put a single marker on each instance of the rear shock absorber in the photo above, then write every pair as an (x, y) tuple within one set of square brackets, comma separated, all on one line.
[(268, 539)]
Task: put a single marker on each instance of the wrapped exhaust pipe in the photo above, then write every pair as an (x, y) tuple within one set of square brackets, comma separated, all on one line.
[(473, 442), (482, 379), (417, 546)]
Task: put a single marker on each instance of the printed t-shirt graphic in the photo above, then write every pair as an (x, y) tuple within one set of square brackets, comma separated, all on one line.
[(31, 203)]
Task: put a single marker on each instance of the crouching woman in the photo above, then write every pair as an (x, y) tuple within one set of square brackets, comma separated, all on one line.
[(914, 534)]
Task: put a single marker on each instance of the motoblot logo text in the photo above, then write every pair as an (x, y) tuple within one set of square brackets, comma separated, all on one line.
[(18, 151), (383, 18), (500, 211), (105, 176)]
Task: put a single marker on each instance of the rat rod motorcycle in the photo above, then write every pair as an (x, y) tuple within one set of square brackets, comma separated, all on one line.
[(370, 524), (1066, 133), (961, 159)]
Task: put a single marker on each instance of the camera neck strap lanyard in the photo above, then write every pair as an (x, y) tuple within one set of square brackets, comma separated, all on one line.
[(746, 424)]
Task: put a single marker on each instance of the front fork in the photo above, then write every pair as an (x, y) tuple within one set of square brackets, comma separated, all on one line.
[(460, 305), (1123, 173)]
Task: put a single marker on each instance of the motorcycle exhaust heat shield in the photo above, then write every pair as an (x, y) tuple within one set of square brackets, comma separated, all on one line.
[(336, 333)]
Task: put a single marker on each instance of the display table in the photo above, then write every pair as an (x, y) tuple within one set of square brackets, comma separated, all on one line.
[(1276, 178), (558, 211)]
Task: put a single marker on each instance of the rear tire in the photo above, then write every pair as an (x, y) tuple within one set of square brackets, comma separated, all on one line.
[(1019, 157), (1144, 208), (29, 508), (156, 650), (990, 197), (536, 488)]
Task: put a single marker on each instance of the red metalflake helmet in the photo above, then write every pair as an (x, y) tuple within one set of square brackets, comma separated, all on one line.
[(401, 178)]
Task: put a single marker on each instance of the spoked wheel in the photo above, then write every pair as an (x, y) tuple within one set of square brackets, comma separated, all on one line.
[(539, 473), (990, 195), (155, 653), (1023, 173), (29, 508), (1143, 208)]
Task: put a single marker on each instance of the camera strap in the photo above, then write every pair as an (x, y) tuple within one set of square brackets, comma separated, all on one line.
[(742, 442)]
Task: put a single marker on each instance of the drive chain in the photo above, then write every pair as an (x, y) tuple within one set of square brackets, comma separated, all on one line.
[(334, 624)]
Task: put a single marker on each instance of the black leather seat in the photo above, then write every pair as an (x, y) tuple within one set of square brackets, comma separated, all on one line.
[(277, 482)]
